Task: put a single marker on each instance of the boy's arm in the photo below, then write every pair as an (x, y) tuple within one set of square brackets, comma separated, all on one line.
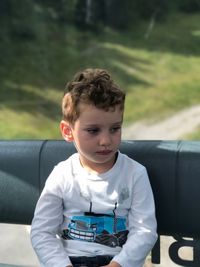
[(142, 224), (46, 225)]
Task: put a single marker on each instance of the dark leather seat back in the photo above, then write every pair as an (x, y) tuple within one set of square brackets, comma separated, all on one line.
[(173, 168)]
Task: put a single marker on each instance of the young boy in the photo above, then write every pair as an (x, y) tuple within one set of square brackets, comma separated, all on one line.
[(97, 207)]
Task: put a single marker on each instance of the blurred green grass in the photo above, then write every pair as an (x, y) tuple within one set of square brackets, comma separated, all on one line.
[(193, 136), (160, 73)]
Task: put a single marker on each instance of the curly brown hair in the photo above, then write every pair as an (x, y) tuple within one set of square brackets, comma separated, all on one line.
[(93, 87)]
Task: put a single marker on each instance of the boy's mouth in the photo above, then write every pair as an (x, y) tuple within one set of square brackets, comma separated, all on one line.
[(104, 152)]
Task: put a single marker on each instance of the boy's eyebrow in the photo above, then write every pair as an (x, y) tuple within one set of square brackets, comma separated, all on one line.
[(117, 123), (96, 125)]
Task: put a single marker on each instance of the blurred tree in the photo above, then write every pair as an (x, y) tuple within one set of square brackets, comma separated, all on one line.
[(80, 14), (120, 14), (157, 9), (96, 13), (60, 10), (30, 18), (20, 18), (190, 6), (90, 14), (23, 19)]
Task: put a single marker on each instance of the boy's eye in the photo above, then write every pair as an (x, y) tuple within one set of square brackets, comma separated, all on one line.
[(93, 130), (115, 129)]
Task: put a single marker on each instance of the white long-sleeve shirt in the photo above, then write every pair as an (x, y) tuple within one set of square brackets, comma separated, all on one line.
[(70, 191)]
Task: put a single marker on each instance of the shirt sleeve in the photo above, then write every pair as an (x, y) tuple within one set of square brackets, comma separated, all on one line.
[(46, 225), (142, 224)]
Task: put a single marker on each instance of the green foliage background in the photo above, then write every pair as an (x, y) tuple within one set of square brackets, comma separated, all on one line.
[(154, 56)]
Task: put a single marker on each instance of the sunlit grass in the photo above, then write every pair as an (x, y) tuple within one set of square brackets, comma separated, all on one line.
[(194, 136), (160, 74), (23, 125)]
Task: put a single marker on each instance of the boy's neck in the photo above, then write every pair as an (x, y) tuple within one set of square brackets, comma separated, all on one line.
[(98, 168)]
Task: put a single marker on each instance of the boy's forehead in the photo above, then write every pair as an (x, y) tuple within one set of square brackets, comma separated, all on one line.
[(92, 114), (90, 108)]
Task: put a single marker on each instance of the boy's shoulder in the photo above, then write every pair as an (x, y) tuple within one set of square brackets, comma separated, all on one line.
[(62, 170), (71, 160), (128, 160), (132, 169)]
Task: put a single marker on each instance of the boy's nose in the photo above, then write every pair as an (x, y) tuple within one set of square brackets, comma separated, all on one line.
[(105, 139)]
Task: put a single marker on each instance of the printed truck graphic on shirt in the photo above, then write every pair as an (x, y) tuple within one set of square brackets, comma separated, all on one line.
[(107, 229)]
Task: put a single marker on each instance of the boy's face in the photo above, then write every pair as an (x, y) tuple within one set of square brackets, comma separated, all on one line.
[(97, 136)]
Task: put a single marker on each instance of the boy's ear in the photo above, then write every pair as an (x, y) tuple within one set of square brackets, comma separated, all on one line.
[(66, 131)]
